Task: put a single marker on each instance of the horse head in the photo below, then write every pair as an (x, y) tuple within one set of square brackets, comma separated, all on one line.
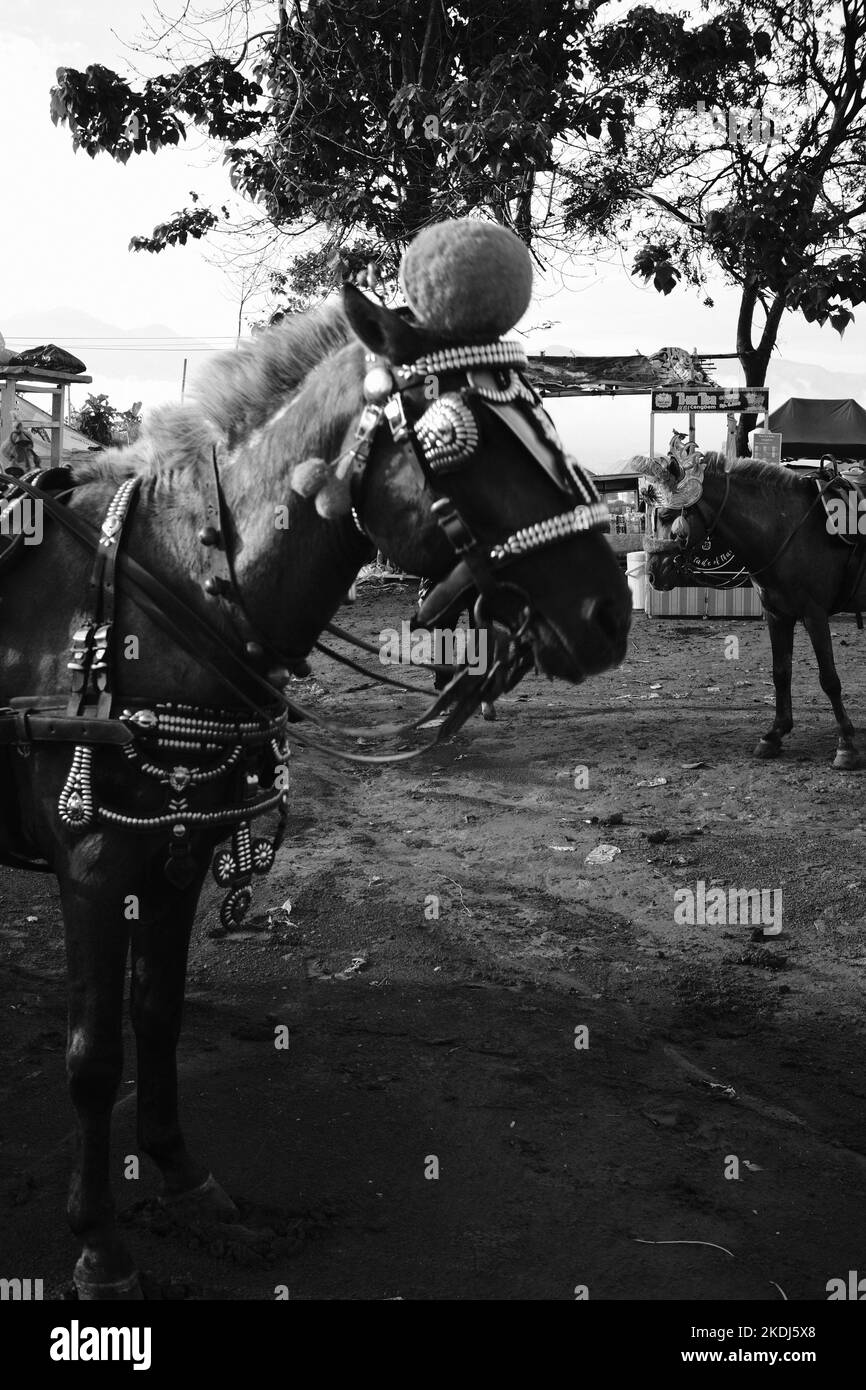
[(456, 472), (673, 489)]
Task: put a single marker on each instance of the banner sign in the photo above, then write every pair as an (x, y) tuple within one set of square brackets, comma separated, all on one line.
[(767, 446), (715, 400)]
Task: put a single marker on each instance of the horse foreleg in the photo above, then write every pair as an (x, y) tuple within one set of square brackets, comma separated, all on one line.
[(160, 944), (817, 625), (97, 940), (782, 642)]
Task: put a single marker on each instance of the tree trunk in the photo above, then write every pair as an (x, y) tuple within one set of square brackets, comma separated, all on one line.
[(754, 360)]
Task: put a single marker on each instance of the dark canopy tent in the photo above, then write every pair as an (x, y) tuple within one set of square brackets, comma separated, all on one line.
[(810, 428)]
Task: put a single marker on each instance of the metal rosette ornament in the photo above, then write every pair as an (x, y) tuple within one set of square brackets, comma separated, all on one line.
[(234, 868), (447, 433)]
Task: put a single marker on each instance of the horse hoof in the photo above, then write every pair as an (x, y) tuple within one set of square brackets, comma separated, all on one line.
[(766, 748), (488, 711), (208, 1200), (847, 760), (92, 1290)]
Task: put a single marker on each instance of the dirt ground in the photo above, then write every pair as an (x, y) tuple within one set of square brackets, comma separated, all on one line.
[(420, 1041)]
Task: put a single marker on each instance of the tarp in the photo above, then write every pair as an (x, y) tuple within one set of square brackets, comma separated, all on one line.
[(632, 375), (810, 428)]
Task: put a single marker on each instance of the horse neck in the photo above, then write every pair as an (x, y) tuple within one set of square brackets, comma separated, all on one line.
[(291, 568), (746, 520)]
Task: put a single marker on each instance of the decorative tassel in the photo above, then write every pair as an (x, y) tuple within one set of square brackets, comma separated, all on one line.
[(335, 500), (310, 477)]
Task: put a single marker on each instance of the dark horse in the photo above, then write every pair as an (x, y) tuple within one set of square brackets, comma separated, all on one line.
[(776, 523), (164, 733)]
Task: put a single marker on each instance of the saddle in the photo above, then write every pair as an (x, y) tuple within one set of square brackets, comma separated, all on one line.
[(844, 503)]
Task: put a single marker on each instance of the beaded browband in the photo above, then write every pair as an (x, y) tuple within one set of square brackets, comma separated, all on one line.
[(457, 359)]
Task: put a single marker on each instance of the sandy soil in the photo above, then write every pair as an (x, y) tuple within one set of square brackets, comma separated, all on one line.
[(415, 1037)]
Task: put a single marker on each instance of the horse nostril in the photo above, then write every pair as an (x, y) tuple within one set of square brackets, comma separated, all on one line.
[(605, 614)]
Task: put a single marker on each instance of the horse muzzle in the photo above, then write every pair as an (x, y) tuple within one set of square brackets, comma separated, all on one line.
[(597, 638)]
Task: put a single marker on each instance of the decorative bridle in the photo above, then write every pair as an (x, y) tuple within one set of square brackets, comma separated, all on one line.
[(683, 548), (444, 437), (184, 748)]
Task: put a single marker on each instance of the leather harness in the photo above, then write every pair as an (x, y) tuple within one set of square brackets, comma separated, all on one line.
[(250, 739)]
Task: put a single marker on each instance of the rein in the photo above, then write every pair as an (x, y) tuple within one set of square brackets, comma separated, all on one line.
[(249, 742), (443, 437)]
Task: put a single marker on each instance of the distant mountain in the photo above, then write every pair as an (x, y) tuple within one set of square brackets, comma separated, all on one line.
[(150, 352), (42, 324), (786, 379)]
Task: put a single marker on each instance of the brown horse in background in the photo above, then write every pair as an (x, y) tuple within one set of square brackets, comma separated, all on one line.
[(802, 569)]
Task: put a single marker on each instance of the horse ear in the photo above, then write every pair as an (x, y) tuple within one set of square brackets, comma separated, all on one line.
[(384, 331)]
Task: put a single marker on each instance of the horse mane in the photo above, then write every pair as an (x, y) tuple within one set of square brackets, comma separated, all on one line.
[(237, 394), (770, 477)]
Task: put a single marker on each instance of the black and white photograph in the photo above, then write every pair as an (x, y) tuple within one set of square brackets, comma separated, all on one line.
[(432, 667)]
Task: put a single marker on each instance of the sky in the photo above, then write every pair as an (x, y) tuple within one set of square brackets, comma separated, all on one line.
[(68, 276)]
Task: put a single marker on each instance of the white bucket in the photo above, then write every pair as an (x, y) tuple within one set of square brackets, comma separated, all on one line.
[(635, 572)]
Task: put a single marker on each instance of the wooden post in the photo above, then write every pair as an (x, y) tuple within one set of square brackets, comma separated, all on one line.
[(183, 380), (731, 442), (57, 404), (7, 409)]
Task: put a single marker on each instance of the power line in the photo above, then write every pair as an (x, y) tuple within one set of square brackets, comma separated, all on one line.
[(70, 343), (137, 338)]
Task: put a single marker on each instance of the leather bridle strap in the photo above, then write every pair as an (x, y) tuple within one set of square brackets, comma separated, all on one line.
[(173, 615), (189, 631)]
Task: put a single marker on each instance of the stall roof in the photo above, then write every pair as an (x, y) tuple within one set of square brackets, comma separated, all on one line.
[(635, 375), (810, 428)]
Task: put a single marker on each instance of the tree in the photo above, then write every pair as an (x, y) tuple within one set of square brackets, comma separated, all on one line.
[(755, 164), (368, 119), (102, 422)]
